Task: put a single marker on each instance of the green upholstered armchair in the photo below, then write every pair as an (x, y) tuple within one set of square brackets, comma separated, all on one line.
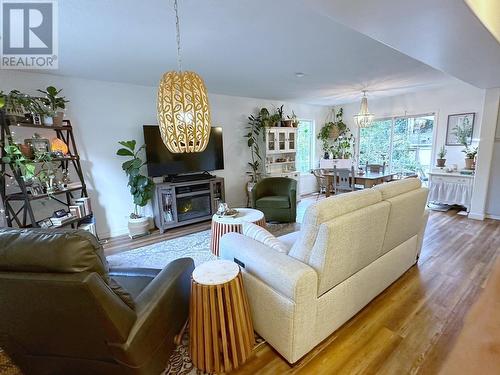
[(63, 311), (277, 198)]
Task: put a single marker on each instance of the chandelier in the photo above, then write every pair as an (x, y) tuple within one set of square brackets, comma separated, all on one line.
[(182, 105), (364, 118)]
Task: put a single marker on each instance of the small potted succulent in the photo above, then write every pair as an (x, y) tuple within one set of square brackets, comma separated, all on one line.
[(441, 161), (141, 187), (54, 105)]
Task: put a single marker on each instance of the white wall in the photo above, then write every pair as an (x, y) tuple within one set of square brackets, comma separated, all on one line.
[(493, 201), (444, 101), (104, 113)]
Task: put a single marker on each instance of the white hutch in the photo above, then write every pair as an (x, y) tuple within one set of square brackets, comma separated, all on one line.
[(281, 152)]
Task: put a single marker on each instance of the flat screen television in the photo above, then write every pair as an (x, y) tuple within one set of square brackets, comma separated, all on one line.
[(161, 162)]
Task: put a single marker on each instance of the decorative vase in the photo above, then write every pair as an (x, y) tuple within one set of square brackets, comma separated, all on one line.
[(326, 155), (58, 119), (138, 227), (469, 163), (441, 163)]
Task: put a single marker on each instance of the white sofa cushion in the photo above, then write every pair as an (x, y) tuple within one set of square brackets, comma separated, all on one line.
[(289, 239), (392, 189), (327, 210), (260, 234)]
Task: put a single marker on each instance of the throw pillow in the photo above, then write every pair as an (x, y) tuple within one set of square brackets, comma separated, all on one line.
[(260, 234)]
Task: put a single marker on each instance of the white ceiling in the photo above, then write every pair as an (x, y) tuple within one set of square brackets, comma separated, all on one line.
[(445, 34), (245, 48)]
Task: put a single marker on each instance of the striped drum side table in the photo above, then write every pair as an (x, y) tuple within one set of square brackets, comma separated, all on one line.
[(222, 225)]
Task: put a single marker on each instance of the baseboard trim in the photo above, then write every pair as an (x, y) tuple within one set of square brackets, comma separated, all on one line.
[(494, 217), (476, 216)]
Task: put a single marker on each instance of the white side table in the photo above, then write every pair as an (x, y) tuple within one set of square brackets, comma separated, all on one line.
[(223, 225)]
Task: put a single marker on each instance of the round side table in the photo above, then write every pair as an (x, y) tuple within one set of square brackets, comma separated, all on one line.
[(220, 326), (223, 224)]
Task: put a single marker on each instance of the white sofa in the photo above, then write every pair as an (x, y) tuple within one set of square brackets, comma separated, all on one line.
[(349, 249)]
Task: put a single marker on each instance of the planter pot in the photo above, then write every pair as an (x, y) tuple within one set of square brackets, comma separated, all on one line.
[(48, 120), (440, 163), (138, 227), (58, 119), (26, 150), (326, 156), (287, 123), (469, 163)]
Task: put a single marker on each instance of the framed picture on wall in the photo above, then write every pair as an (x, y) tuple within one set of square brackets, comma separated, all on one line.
[(459, 129)]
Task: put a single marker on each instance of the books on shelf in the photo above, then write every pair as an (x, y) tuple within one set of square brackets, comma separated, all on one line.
[(80, 207), (58, 221)]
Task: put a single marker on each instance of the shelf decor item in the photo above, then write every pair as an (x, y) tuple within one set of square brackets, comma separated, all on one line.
[(441, 161), (54, 106), (183, 108)]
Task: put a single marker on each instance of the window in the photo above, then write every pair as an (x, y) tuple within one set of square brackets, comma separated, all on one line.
[(404, 143), (305, 142)]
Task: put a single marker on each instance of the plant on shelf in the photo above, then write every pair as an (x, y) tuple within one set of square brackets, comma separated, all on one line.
[(294, 120), (16, 159), (441, 161), (336, 138), (141, 187), (17, 105), (470, 156), (55, 106), (254, 128)]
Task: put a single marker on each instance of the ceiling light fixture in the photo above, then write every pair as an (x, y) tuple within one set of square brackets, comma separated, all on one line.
[(364, 118), (182, 105), (300, 75)]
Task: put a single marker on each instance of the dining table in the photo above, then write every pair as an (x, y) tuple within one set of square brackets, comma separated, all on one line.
[(367, 179)]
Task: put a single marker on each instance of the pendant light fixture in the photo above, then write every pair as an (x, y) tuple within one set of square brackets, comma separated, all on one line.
[(364, 118), (182, 105)]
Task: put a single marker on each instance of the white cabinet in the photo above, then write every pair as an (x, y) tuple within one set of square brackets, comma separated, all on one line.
[(281, 150), (450, 188), (281, 140)]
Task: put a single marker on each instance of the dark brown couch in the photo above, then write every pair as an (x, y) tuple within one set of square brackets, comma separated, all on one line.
[(62, 311)]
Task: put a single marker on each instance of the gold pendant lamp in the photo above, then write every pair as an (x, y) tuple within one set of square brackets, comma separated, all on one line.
[(183, 109)]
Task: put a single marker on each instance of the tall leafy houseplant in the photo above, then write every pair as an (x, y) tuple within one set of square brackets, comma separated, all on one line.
[(141, 187), (254, 130), (336, 137)]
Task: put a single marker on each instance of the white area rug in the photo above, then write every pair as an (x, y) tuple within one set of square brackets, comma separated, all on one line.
[(158, 255)]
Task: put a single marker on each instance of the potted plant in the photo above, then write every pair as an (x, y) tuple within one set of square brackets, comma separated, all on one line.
[(470, 155), (294, 120), (336, 137), (20, 107), (141, 187), (55, 106), (254, 128), (441, 161)]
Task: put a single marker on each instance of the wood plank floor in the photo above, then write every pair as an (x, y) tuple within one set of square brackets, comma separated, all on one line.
[(410, 327)]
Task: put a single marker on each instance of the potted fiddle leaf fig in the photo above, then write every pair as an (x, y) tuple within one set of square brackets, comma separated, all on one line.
[(55, 106), (441, 161), (141, 187)]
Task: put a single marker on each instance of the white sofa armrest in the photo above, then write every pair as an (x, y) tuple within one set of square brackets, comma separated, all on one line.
[(288, 276)]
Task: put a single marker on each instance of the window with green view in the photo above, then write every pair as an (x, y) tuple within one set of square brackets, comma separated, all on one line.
[(404, 143), (305, 141)]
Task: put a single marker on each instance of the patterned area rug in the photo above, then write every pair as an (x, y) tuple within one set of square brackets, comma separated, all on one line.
[(178, 364)]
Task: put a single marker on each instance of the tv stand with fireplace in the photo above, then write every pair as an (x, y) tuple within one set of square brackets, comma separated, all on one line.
[(186, 202)]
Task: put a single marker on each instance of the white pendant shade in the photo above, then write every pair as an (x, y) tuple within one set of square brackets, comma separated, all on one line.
[(364, 118)]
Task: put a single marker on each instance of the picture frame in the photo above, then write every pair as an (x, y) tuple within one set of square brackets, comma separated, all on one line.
[(45, 223), (38, 144), (459, 120)]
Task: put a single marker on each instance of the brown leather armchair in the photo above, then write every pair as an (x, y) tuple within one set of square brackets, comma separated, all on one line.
[(62, 311)]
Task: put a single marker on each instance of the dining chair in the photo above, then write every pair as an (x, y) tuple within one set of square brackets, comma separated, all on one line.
[(322, 181), (375, 168), (343, 179)]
